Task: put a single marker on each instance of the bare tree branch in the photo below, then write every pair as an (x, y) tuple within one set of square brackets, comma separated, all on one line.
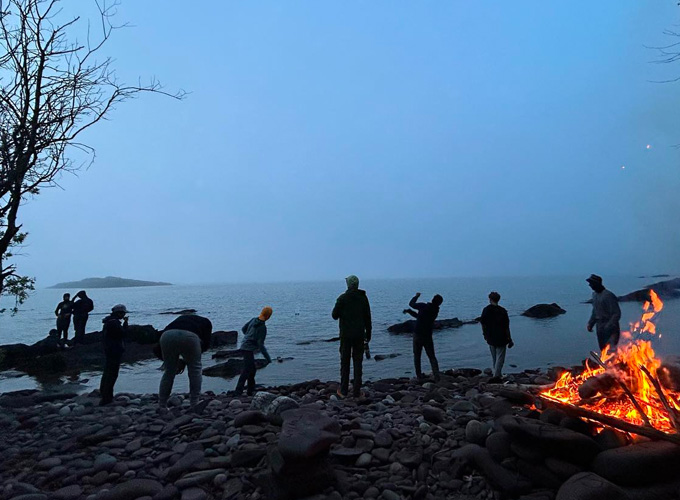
[(52, 89)]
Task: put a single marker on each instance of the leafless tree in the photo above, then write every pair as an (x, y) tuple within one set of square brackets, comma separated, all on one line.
[(53, 87)]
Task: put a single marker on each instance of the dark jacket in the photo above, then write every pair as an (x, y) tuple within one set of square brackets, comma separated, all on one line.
[(425, 317), (195, 324), (82, 307), (496, 326), (354, 312), (113, 335), (254, 334), (606, 312), (64, 309)]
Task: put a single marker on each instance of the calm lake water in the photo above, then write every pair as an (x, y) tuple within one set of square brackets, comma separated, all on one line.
[(302, 312)]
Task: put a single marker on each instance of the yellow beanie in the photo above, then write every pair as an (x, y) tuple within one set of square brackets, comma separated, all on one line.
[(266, 313)]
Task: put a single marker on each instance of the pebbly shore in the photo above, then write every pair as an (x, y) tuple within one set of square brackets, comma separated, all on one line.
[(460, 438)]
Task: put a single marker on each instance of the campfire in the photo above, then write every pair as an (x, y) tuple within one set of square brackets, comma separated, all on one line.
[(621, 387)]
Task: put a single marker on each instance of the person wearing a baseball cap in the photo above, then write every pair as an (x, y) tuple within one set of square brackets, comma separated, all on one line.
[(606, 314), (115, 326)]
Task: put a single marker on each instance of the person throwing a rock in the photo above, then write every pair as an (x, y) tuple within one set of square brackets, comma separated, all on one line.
[(115, 327), (425, 314), (180, 346), (606, 314), (354, 312), (82, 307), (254, 335), (63, 313), (496, 329)]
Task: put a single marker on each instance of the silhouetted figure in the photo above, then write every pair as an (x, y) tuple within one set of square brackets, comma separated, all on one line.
[(496, 328), (606, 314), (63, 313), (115, 326), (181, 345), (254, 335), (425, 315), (82, 306), (354, 312)]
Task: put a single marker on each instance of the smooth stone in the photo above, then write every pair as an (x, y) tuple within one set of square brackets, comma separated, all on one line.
[(364, 460), (134, 488), (590, 486), (196, 478), (68, 492), (194, 494), (104, 461)]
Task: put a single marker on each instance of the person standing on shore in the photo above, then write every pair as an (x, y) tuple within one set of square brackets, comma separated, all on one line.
[(181, 344), (496, 329), (254, 335), (606, 314), (115, 327), (354, 312), (63, 313), (422, 336), (82, 306)]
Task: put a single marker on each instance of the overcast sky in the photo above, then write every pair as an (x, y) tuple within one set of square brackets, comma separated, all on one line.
[(382, 138)]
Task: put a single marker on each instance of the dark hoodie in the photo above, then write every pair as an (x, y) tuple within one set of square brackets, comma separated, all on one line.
[(425, 317), (354, 312), (114, 333)]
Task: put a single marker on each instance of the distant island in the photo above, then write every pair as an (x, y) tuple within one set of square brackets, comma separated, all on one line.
[(108, 282)]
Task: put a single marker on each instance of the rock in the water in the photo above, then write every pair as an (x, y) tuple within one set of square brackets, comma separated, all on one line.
[(639, 464), (307, 433), (381, 357), (179, 312), (230, 368), (220, 338), (590, 486), (410, 325), (541, 311)]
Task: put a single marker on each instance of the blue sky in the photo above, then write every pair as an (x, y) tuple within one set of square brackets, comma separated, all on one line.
[(383, 138)]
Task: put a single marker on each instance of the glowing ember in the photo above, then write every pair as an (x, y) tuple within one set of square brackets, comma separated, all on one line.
[(622, 365)]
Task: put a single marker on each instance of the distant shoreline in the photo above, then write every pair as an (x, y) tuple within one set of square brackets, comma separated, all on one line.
[(108, 282)]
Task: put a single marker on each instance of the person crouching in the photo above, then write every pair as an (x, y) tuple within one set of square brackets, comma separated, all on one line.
[(181, 345), (254, 334)]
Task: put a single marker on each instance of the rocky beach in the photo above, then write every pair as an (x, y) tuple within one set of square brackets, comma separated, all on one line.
[(461, 438)]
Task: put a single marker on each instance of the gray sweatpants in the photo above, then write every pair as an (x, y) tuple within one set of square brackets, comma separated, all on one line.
[(497, 358), (176, 343)]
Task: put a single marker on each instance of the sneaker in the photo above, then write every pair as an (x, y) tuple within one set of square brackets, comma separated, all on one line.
[(496, 380)]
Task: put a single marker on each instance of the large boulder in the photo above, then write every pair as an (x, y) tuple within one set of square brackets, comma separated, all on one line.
[(142, 334), (668, 289), (221, 338), (639, 464), (410, 325), (590, 486), (542, 311), (307, 433), (550, 439)]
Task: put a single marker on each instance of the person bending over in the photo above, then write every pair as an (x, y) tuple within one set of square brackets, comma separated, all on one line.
[(254, 335)]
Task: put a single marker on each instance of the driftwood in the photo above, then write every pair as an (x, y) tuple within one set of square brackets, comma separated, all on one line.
[(672, 413), (617, 423)]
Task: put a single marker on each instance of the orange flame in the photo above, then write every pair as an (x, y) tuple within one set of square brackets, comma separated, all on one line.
[(623, 363)]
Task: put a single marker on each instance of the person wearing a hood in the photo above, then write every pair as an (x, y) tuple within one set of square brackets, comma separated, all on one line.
[(254, 335), (606, 314), (422, 336), (354, 312), (115, 326), (82, 306), (181, 344)]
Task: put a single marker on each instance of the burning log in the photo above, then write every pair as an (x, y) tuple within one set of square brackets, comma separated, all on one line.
[(625, 388), (614, 422), (672, 412)]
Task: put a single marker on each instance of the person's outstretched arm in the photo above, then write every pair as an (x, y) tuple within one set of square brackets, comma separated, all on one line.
[(411, 312), (262, 335)]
